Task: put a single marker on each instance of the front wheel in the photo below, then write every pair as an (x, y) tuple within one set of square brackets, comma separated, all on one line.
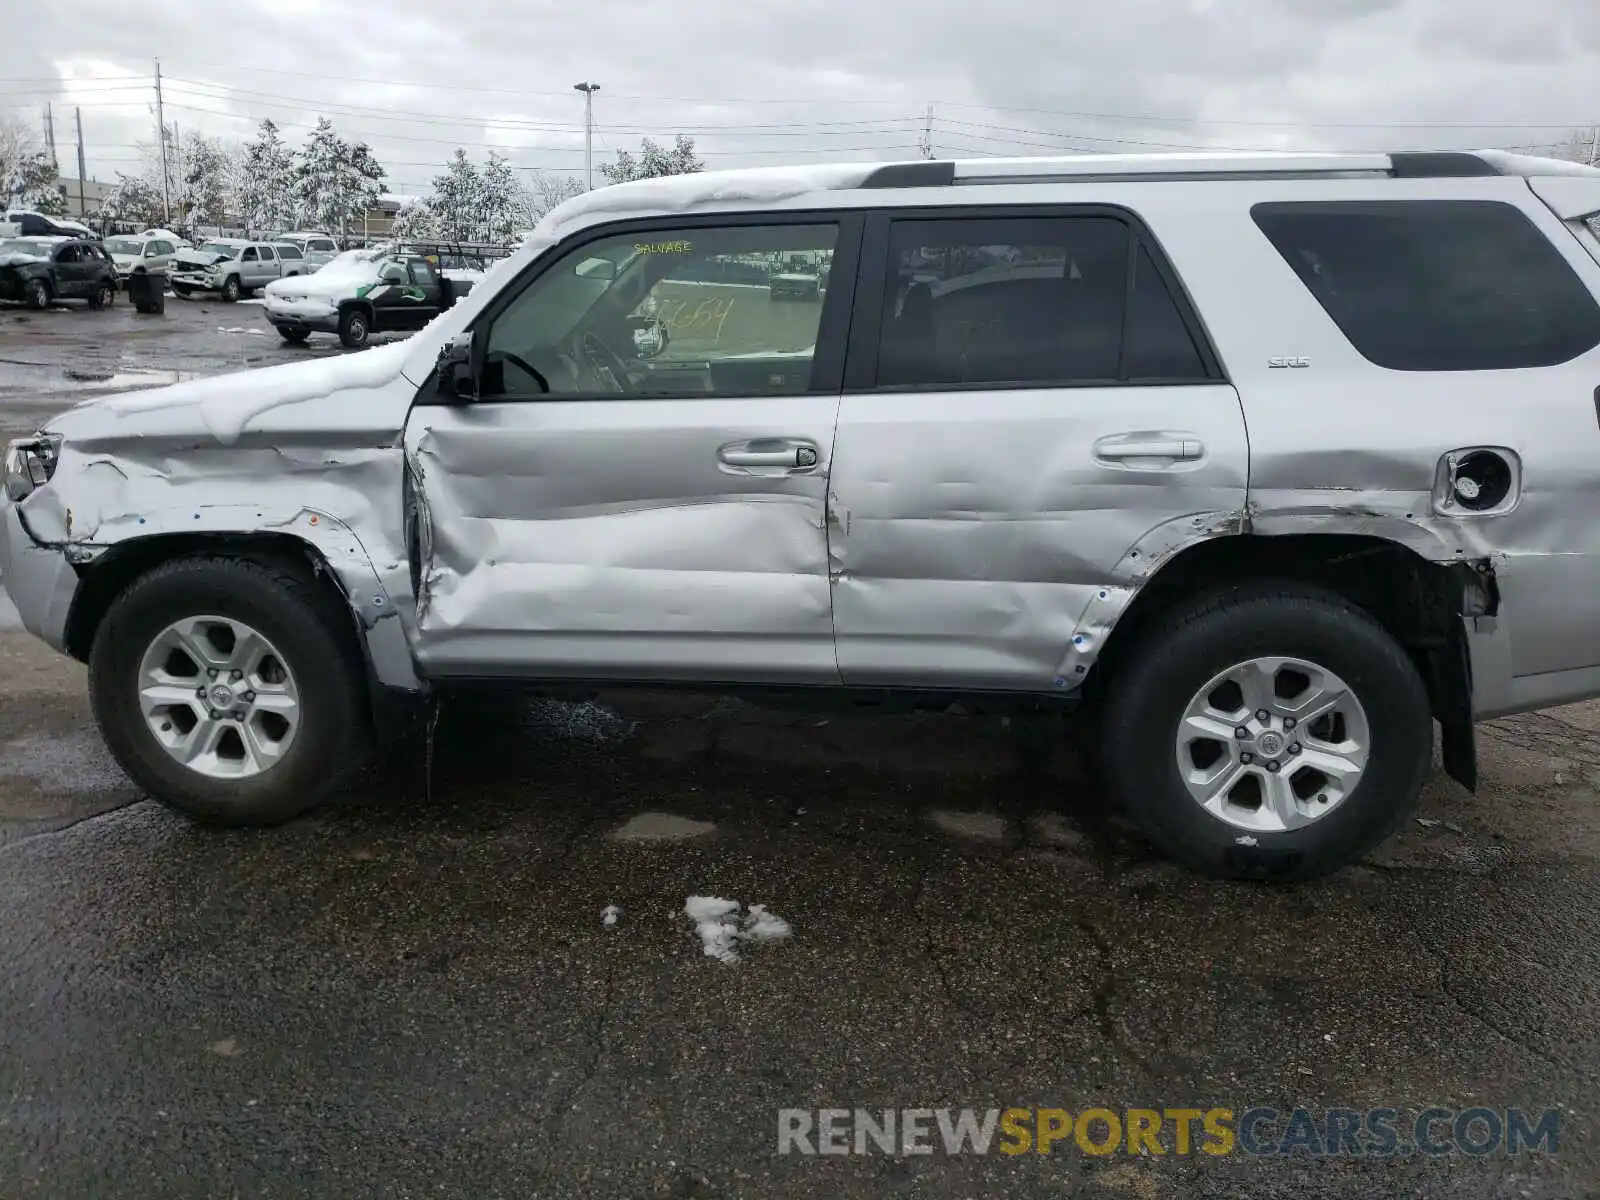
[(354, 328), (1268, 732), (229, 691), (230, 289), (294, 337)]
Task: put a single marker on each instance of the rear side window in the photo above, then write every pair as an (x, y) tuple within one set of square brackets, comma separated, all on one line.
[(290, 252), (1026, 301), (1437, 285)]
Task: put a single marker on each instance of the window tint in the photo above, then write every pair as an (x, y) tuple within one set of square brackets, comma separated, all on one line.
[(249, 255), (1027, 300), (290, 253), (422, 273), (1437, 285), (268, 254), (732, 329)]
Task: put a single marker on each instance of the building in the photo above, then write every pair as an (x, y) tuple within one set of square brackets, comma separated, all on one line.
[(88, 202)]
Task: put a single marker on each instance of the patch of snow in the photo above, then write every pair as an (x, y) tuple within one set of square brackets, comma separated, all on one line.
[(681, 193), (228, 403), (609, 915), (720, 928), (660, 827)]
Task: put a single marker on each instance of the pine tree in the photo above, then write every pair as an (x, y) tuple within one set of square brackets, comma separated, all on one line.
[(27, 176), (135, 200), (653, 161), (507, 205), (205, 183), (458, 199), (268, 182)]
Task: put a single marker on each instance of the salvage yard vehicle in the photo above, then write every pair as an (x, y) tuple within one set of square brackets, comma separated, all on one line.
[(317, 249), (38, 271), (155, 252), (360, 293), (22, 223), (1271, 461), (232, 267)]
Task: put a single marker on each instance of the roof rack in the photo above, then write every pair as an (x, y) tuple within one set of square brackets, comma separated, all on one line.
[(1103, 168)]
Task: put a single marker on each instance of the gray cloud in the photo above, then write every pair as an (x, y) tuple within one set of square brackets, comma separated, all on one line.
[(814, 79)]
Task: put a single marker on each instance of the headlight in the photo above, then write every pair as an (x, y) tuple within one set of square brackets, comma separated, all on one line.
[(30, 462)]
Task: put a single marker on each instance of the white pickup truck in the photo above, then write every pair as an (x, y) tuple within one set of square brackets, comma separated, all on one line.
[(233, 267)]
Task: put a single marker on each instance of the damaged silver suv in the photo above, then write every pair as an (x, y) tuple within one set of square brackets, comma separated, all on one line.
[(1274, 460)]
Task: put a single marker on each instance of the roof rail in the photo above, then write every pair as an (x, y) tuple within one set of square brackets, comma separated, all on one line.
[(1101, 168)]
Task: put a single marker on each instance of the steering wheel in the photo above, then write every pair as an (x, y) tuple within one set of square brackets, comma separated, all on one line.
[(605, 363), (520, 363)]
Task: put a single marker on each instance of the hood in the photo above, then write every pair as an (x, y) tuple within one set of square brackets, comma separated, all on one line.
[(326, 283), (222, 406), (22, 260), (127, 260), (198, 258)]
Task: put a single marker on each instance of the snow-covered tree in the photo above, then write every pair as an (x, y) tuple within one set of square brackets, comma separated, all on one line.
[(417, 221), (653, 161), (458, 199), (507, 205), (207, 183), (136, 200), (267, 182), (336, 181), (27, 176), (547, 189)]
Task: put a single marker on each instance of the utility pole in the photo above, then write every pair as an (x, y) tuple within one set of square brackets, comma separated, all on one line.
[(177, 170), (161, 139), (50, 135), (925, 147), (1594, 146), (588, 90), (83, 210)]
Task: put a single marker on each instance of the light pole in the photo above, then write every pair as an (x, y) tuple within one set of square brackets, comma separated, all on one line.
[(588, 90)]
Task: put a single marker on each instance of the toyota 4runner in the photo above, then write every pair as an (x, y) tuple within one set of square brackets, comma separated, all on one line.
[(1274, 461)]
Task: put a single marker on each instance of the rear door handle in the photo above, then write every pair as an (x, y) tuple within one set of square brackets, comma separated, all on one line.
[(1121, 447), (783, 453)]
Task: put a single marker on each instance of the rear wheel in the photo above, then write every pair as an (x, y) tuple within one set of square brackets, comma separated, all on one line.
[(1268, 732), (103, 296), (231, 289), (355, 327), (228, 691), (38, 294)]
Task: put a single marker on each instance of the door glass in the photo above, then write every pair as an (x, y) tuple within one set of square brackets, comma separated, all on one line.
[(422, 273), (1004, 300), (268, 254), (730, 311), (249, 255)]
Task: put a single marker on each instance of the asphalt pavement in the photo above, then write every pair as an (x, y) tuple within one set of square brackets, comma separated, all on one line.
[(417, 992)]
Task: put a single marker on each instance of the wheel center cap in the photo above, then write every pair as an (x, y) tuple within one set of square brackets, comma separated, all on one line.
[(222, 696), (1270, 744)]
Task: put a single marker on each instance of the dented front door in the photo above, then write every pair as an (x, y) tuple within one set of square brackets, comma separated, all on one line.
[(603, 510)]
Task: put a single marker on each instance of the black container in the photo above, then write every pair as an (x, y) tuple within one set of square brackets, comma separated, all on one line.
[(148, 291)]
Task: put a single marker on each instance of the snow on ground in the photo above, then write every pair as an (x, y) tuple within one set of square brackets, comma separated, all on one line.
[(721, 929), (609, 915)]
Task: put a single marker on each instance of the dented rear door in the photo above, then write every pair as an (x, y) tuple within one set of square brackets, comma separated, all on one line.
[(1020, 443)]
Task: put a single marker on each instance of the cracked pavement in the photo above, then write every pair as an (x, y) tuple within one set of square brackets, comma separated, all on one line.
[(413, 994)]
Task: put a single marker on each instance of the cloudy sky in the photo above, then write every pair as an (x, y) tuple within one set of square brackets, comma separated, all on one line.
[(808, 80)]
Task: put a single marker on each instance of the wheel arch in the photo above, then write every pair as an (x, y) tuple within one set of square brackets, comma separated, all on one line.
[(1420, 602)]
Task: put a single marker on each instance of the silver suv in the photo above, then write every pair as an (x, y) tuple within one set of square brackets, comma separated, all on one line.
[(1273, 461)]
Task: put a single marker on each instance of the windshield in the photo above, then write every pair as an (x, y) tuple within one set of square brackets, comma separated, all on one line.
[(24, 249), (125, 246), (219, 248)]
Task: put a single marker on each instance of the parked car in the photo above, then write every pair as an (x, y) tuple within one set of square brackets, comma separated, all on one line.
[(26, 223), (1270, 462), (360, 293), (793, 285), (140, 252), (233, 267), (318, 249), (38, 271)]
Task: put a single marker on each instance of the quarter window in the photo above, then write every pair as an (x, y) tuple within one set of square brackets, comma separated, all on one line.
[(1437, 285), (729, 311), (1025, 301)]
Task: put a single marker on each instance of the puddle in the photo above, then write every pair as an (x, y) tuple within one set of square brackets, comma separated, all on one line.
[(125, 379)]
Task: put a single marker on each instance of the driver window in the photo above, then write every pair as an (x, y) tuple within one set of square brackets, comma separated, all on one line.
[(729, 311), (249, 255)]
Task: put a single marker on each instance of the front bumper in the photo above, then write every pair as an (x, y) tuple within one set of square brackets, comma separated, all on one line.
[(307, 317), (40, 581), (194, 281)]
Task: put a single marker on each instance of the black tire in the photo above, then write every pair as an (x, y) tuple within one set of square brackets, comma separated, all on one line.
[(355, 327), (181, 290), (104, 295), (231, 289), (1151, 688), (310, 632), (294, 337), (38, 295)]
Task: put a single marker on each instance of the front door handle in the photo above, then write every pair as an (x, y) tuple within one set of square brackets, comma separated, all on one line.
[(1123, 446), (781, 453)]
